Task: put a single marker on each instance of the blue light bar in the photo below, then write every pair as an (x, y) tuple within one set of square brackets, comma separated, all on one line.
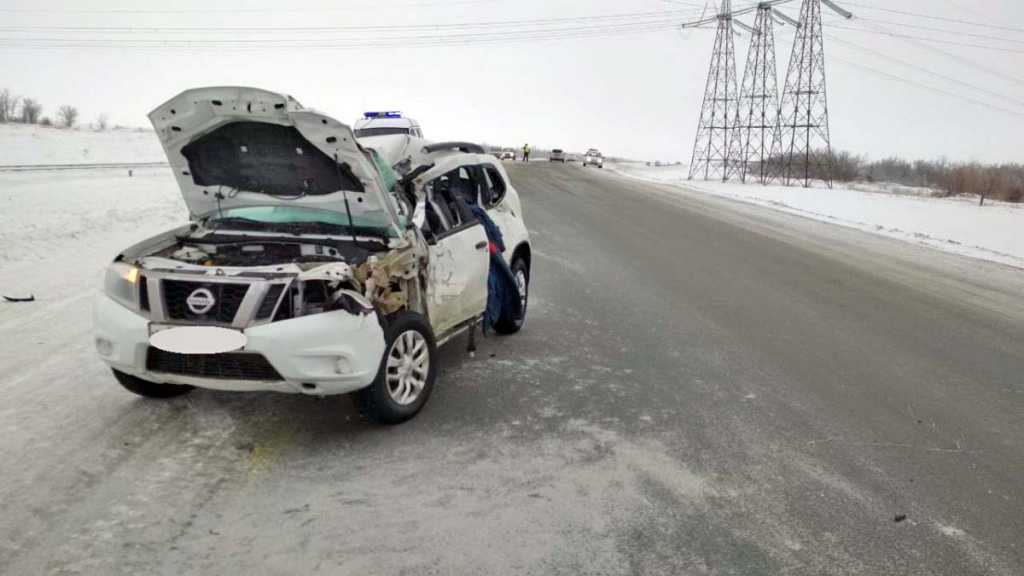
[(389, 114)]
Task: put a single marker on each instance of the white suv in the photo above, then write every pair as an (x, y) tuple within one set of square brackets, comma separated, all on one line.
[(307, 265), (593, 158)]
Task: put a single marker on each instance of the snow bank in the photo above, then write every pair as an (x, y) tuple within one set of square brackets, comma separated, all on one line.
[(994, 232), (34, 144)]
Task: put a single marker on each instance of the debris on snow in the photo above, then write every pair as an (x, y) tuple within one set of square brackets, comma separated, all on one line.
[(29, 298)]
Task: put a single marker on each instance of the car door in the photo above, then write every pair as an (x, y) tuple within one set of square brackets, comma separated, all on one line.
[(493, 197), (458, 256)]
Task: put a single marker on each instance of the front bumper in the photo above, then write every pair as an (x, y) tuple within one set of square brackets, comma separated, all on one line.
[(322, 354)]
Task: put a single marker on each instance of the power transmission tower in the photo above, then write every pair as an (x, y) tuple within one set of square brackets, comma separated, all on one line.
[(713, 154), (757, 118), (802, 148)]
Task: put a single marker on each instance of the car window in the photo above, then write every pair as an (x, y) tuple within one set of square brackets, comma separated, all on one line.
[(471, 183), (495, 186), (381, 131), (447, 207)]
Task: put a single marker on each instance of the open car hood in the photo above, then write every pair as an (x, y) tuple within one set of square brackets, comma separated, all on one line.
[(233, 147)]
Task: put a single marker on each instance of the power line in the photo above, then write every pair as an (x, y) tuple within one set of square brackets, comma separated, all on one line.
[(240, 10), (312, 43), (932, 39), (947, 31), (939, 18), (905, 80), (926, 70), (374, 28), (348, 36), (928, 87), (972, 64)]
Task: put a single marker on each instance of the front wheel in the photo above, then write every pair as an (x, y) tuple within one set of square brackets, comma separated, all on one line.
[(507, 323), (149, 389), (407, 372)]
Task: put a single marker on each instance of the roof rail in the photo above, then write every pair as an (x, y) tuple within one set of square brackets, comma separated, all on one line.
[(467, 147)]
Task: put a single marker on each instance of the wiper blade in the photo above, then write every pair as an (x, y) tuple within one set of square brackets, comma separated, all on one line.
[(238, 220)]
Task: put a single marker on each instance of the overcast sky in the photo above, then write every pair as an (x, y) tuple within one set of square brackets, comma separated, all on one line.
[(634, 95)]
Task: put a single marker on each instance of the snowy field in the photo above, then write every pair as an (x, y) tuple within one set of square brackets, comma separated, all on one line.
[(993, 232), (59, 229), (21, 144)]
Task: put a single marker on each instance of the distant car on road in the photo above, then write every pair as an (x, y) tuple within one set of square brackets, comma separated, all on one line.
[(557, 155), (386, 124), (593, 158), (508, 154)]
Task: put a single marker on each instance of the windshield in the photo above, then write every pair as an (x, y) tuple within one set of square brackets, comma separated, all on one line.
[(384, 131), (302, 220)]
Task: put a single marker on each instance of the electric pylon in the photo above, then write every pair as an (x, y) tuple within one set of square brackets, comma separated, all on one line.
[(756, 121), (801, 148), (712, 150)]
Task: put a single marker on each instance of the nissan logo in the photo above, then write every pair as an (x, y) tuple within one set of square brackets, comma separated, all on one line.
[(200, 301)]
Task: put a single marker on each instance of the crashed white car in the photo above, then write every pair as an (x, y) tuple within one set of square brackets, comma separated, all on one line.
[(308, 265)]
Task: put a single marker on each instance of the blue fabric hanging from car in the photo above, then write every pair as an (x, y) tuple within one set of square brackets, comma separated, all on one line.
[(502, 292)]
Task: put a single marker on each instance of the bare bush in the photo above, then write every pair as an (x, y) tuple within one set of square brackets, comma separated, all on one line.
[(846, 167), (30, 111), (998, 182), (8, 106), (102, 122), (67, 115), (45, 121)]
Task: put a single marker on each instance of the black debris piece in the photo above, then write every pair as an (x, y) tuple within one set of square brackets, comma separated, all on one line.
[(31, 298), (899, 518)]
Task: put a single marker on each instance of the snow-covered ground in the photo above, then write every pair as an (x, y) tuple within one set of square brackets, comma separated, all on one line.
[(34, 144), (993, 232), (76, 221)]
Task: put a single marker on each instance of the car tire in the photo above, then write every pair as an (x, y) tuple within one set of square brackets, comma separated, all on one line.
[(507, 324), (399, 392), (150, 389)]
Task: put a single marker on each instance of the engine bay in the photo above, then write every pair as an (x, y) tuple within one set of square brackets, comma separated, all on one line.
[(262, 252)]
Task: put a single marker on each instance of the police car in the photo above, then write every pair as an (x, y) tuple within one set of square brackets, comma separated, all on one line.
[(386, 124)]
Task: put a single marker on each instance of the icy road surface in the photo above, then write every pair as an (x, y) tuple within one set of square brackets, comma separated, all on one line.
[(703, 387)]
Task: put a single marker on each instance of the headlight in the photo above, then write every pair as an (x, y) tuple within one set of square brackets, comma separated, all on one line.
[(121, 283)]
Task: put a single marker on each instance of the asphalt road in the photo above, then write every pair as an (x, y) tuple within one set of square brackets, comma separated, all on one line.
[(702, 387)]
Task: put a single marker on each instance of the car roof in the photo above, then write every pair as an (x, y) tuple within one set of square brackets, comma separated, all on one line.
[(395, 148)]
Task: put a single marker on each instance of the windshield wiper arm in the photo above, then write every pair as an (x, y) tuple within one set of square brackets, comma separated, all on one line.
[(237, 220)]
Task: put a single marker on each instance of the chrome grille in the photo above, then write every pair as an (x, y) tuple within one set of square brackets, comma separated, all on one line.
[(228, 298)]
